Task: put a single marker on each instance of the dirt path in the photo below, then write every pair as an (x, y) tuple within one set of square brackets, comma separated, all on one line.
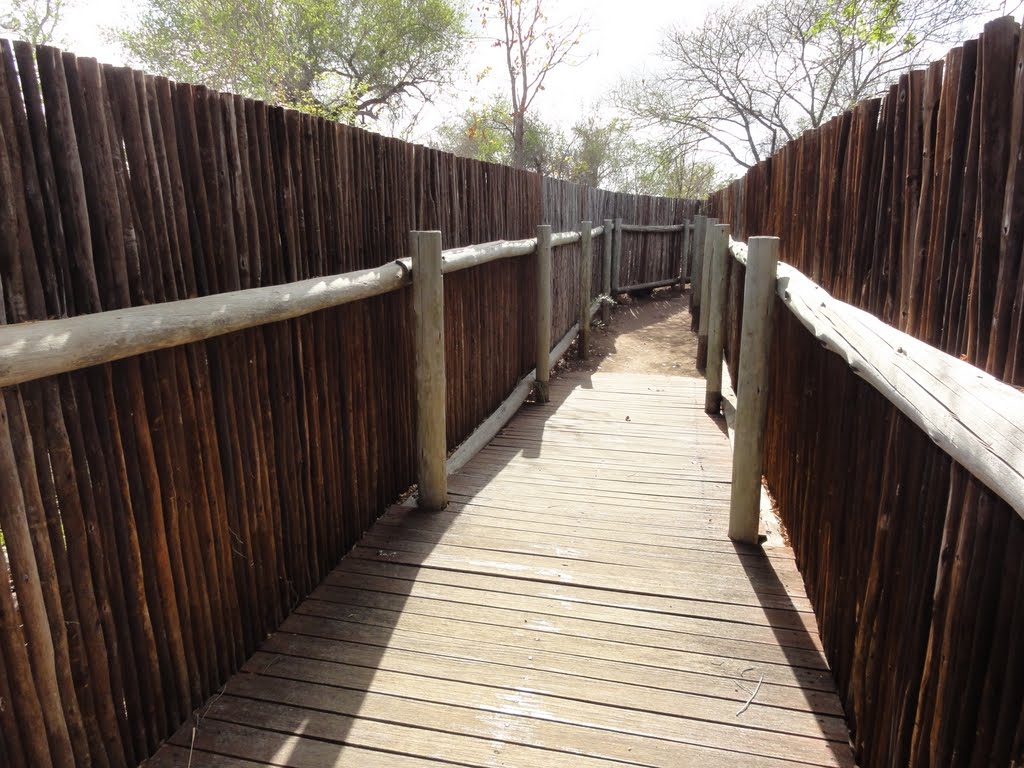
[(646, 335)]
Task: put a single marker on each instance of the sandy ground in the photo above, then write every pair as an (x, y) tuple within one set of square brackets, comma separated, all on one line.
[(646, 335)]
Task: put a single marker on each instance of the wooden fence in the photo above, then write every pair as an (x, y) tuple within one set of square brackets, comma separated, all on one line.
[(911, 543), (898, 472), (912, 206), (161, 513)]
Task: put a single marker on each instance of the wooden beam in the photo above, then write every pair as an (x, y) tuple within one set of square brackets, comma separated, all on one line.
[(653, 228), (684, 265), (716, 320), (455, 259), (972, 416), (34, 350), (752, 388), (707, 247), (616, 256), (647, 286), (585, 268), (428, 309), (606, 271), (543, 311), (564, 238), (695, 268)]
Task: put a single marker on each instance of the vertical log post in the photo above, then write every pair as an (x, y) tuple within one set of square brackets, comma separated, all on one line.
[(752, 388), (606, 271), (684, 271), (586, 267), (543, 312), (716, 320), (707, 247), (695, 267), (428, 309), (616, 255)]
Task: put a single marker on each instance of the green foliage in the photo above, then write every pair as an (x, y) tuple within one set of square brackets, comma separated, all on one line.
[(482, 132), (875, 22), (33, 20), (594, 152), (344, 60)]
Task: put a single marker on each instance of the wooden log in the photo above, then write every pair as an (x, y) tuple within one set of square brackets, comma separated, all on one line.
[(585, 268), (973, 417), (27, 708), (716, 319), (428, 307), (33, 350), (455, 259), (606, 271), (21, 530), (564, 238), (653, 228), (752, 388), (543, 311), (707, 247), (649, 286), (616, 256), (684, 257), (696, 264)]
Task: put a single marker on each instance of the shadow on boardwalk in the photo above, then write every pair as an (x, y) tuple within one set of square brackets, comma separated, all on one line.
[(577, 604)]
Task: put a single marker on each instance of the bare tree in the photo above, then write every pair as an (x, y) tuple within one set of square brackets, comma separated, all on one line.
[(750, 78), (532, 48), (33, 20)]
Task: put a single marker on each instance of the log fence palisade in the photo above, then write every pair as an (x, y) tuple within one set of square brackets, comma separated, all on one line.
[(207, 338), (880, 451), (896, 466), (31, 352), (208, 389)]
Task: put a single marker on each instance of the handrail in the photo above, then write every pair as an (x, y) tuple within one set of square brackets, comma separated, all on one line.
[(34, 350), (455, 259), (653, 228), (972, 416)]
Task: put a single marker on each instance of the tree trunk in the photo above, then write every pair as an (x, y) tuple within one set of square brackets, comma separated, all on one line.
[(518, 140)]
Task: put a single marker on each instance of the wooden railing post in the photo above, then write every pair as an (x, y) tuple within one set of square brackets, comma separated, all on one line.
[(543, 312), (606, 271), (683, 266), (707, 247), (586, 267), (716, 319), (752, 388), (695, 267), (616, 255), (428, 310)]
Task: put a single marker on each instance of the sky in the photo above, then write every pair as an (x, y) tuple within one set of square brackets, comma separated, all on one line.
[(622, 38)]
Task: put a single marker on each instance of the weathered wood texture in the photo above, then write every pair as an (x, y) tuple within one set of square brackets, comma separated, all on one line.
[(646, 256), (912, 207), (161, 514), (913, 565), (527, 626)]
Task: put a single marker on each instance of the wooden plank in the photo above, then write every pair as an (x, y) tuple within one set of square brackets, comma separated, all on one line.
[(576, 603), (529, 720)]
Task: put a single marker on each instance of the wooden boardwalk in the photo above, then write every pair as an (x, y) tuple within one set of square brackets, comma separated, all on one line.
[(578, 604)]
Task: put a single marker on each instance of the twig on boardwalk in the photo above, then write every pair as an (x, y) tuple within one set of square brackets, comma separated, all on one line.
[(757, 688), (199, 720)]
